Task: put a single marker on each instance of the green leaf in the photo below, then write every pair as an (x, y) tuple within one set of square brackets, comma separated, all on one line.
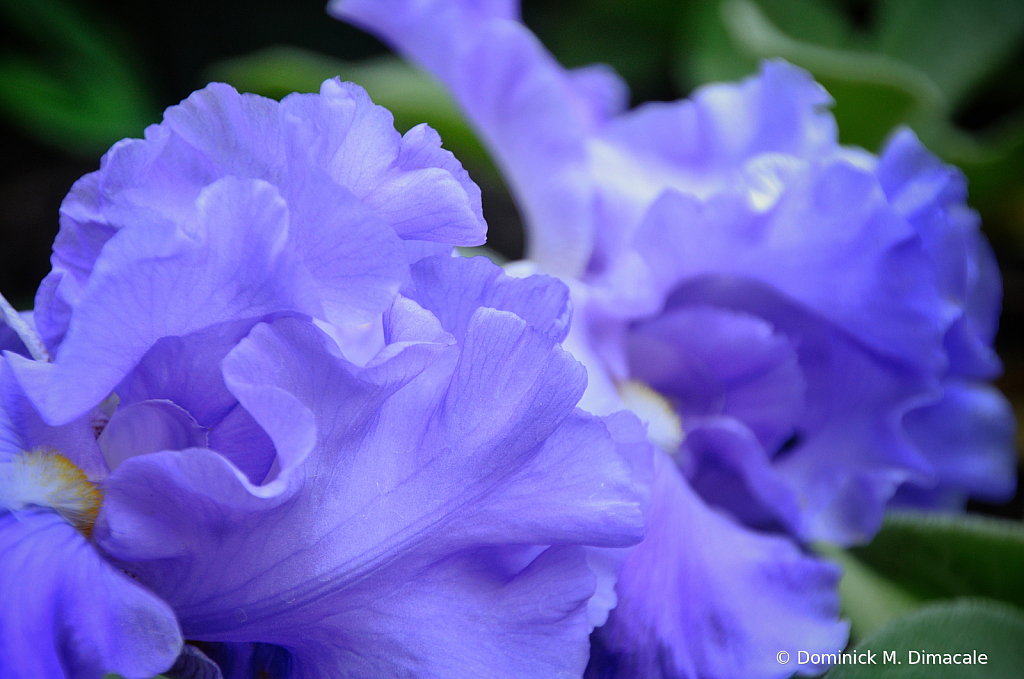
[(873, 92), (958, 43), (934, 556), (869, 600), (809, 21), (947, 628), (918, 557), (707, 53), (84, 92)]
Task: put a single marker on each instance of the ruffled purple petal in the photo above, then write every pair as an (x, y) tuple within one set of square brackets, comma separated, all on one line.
[(968, 436), (531, 112), (12, 441), (433, 199), (520, 621), (703, 597), (69, 613), (240, 134), (729, 468), (698, 146), (720, 362), (932, 197), (598, 345), (581, 486), (151, 180), (630, 437), (400, 478), (848, 452), (356, 261), (234, 505), (779, 111), (186, 370), (230, 264), (355, 188), (419, 188), (239, 438), (606, 94), (531, 604), (173, 517), (828, 241), (541, 301)]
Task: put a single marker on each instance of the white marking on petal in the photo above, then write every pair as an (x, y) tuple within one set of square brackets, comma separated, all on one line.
[(45, 478), (767, 176), (664, 428)]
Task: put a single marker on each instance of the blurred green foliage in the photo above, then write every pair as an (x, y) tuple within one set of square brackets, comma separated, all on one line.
[(72, 84), (936, 556), (963, 626), (870, 600), (930, 64), (926, 557)]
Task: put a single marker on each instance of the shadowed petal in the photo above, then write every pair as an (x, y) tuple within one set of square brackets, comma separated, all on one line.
[(932, 197), (721, 362), (231, 264), (850, 452), (23, 429), (729, 468), (702, 597), (968, 436), (833, 245), (149, 427), (68, 613)]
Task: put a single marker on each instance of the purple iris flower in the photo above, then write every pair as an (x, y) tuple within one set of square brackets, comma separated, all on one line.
[(295, 420), (825, 329), (806, 327), (812, 307)]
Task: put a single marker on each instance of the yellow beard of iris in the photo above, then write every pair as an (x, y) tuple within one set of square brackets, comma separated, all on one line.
[(44, 478)]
